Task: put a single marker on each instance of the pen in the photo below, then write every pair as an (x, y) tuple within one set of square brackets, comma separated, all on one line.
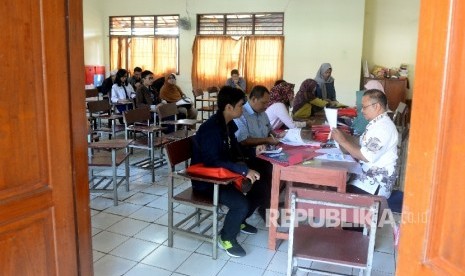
[(272, 136)]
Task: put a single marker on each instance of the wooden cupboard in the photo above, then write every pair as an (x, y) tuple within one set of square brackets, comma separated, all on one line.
[(395, 89)]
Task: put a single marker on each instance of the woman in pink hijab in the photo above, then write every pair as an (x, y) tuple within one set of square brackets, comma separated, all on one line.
[(374, 84)]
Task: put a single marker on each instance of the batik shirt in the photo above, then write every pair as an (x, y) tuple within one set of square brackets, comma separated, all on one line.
[(379, 146)]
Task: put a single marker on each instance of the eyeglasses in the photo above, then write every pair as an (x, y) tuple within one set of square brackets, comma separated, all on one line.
[(363, 107)]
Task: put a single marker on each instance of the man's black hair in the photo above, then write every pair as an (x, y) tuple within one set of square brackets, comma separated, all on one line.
[(146, 73), (258, 92), (377, 96), (229, 95)]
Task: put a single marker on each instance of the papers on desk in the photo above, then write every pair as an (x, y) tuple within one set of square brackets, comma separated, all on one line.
[(293, 137), (335, 154)]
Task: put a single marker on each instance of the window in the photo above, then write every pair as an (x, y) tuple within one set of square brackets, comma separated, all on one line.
[(251, 43), (150, 42), (241, 24)]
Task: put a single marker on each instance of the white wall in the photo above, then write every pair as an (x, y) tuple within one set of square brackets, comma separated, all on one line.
[(391, 34), (316, 31), (94, 34)]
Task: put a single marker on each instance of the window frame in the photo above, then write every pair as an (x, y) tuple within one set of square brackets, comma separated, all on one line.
[(133, 33), (228, 24)]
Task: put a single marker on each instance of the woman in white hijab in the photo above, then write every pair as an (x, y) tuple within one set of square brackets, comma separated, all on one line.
[(326, 90)]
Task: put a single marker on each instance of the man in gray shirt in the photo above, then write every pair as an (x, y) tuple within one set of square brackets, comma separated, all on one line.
[(254, 129), (236, 81)]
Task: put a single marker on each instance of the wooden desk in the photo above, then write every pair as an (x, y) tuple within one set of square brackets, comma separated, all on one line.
[(327, 173)]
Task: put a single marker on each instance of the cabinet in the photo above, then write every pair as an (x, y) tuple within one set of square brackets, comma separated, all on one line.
[(395, 89)]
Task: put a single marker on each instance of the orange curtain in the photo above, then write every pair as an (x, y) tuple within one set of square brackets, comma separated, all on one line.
[(157, 54), (258, 59), (118, 52), (142, 53), (213, 59), (263, 61), (166, 56)]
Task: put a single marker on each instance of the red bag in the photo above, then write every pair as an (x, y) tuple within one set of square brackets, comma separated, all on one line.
[(242, 183)]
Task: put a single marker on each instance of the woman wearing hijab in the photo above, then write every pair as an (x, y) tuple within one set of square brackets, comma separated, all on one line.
[(172, 93), (281, 97), (326, 90), (306, 103)]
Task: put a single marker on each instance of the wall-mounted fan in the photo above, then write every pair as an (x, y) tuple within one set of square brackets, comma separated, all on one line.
[(185, 23)]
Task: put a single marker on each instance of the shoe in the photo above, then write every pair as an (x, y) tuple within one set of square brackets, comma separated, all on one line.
[(248, 229), (232, 248)]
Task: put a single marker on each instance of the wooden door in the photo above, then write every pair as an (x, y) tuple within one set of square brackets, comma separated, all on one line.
[(44, 213), (432, 238)]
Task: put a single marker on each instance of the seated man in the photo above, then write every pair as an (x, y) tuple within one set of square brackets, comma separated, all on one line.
[(236, 81), (376, 150), (254, 129), (135, 80), (216, 146)]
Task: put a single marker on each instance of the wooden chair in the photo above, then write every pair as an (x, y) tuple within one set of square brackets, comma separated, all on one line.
[(180, 151), (99, 157), (147, 137), (91, 94), (331, 245), (165, 114), (101, 110)]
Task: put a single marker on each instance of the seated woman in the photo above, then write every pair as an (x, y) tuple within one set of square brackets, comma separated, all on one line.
[(281, 97), (122, 91), (306, 103), (171, 93), (145, 94), (326, 90)]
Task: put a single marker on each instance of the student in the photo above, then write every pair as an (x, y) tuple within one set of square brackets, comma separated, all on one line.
[(135, 80), (376, 149), (281, 97), (172, 93), (145, 95), (236, 81), (305, 102), (216, 146), (122, 91), (107, 84), (326, 90)]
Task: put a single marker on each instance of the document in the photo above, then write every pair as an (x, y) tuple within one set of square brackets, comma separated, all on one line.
[(293, 137)]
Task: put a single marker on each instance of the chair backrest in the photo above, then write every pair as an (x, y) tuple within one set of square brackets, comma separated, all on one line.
[(167, 110), (213, 91), (180, 151), (344, 207), (198, 92), (90, 93), (138, 115), (99, 106)]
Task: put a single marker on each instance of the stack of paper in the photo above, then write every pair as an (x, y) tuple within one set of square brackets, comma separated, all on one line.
[(293, 137)]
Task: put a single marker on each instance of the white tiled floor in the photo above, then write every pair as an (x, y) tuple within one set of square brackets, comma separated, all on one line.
[(131, 239)]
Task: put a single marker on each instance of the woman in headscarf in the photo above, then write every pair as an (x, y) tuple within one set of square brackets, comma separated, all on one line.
[(326, 90), (171, 93), (306, 103), (281, 98)]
